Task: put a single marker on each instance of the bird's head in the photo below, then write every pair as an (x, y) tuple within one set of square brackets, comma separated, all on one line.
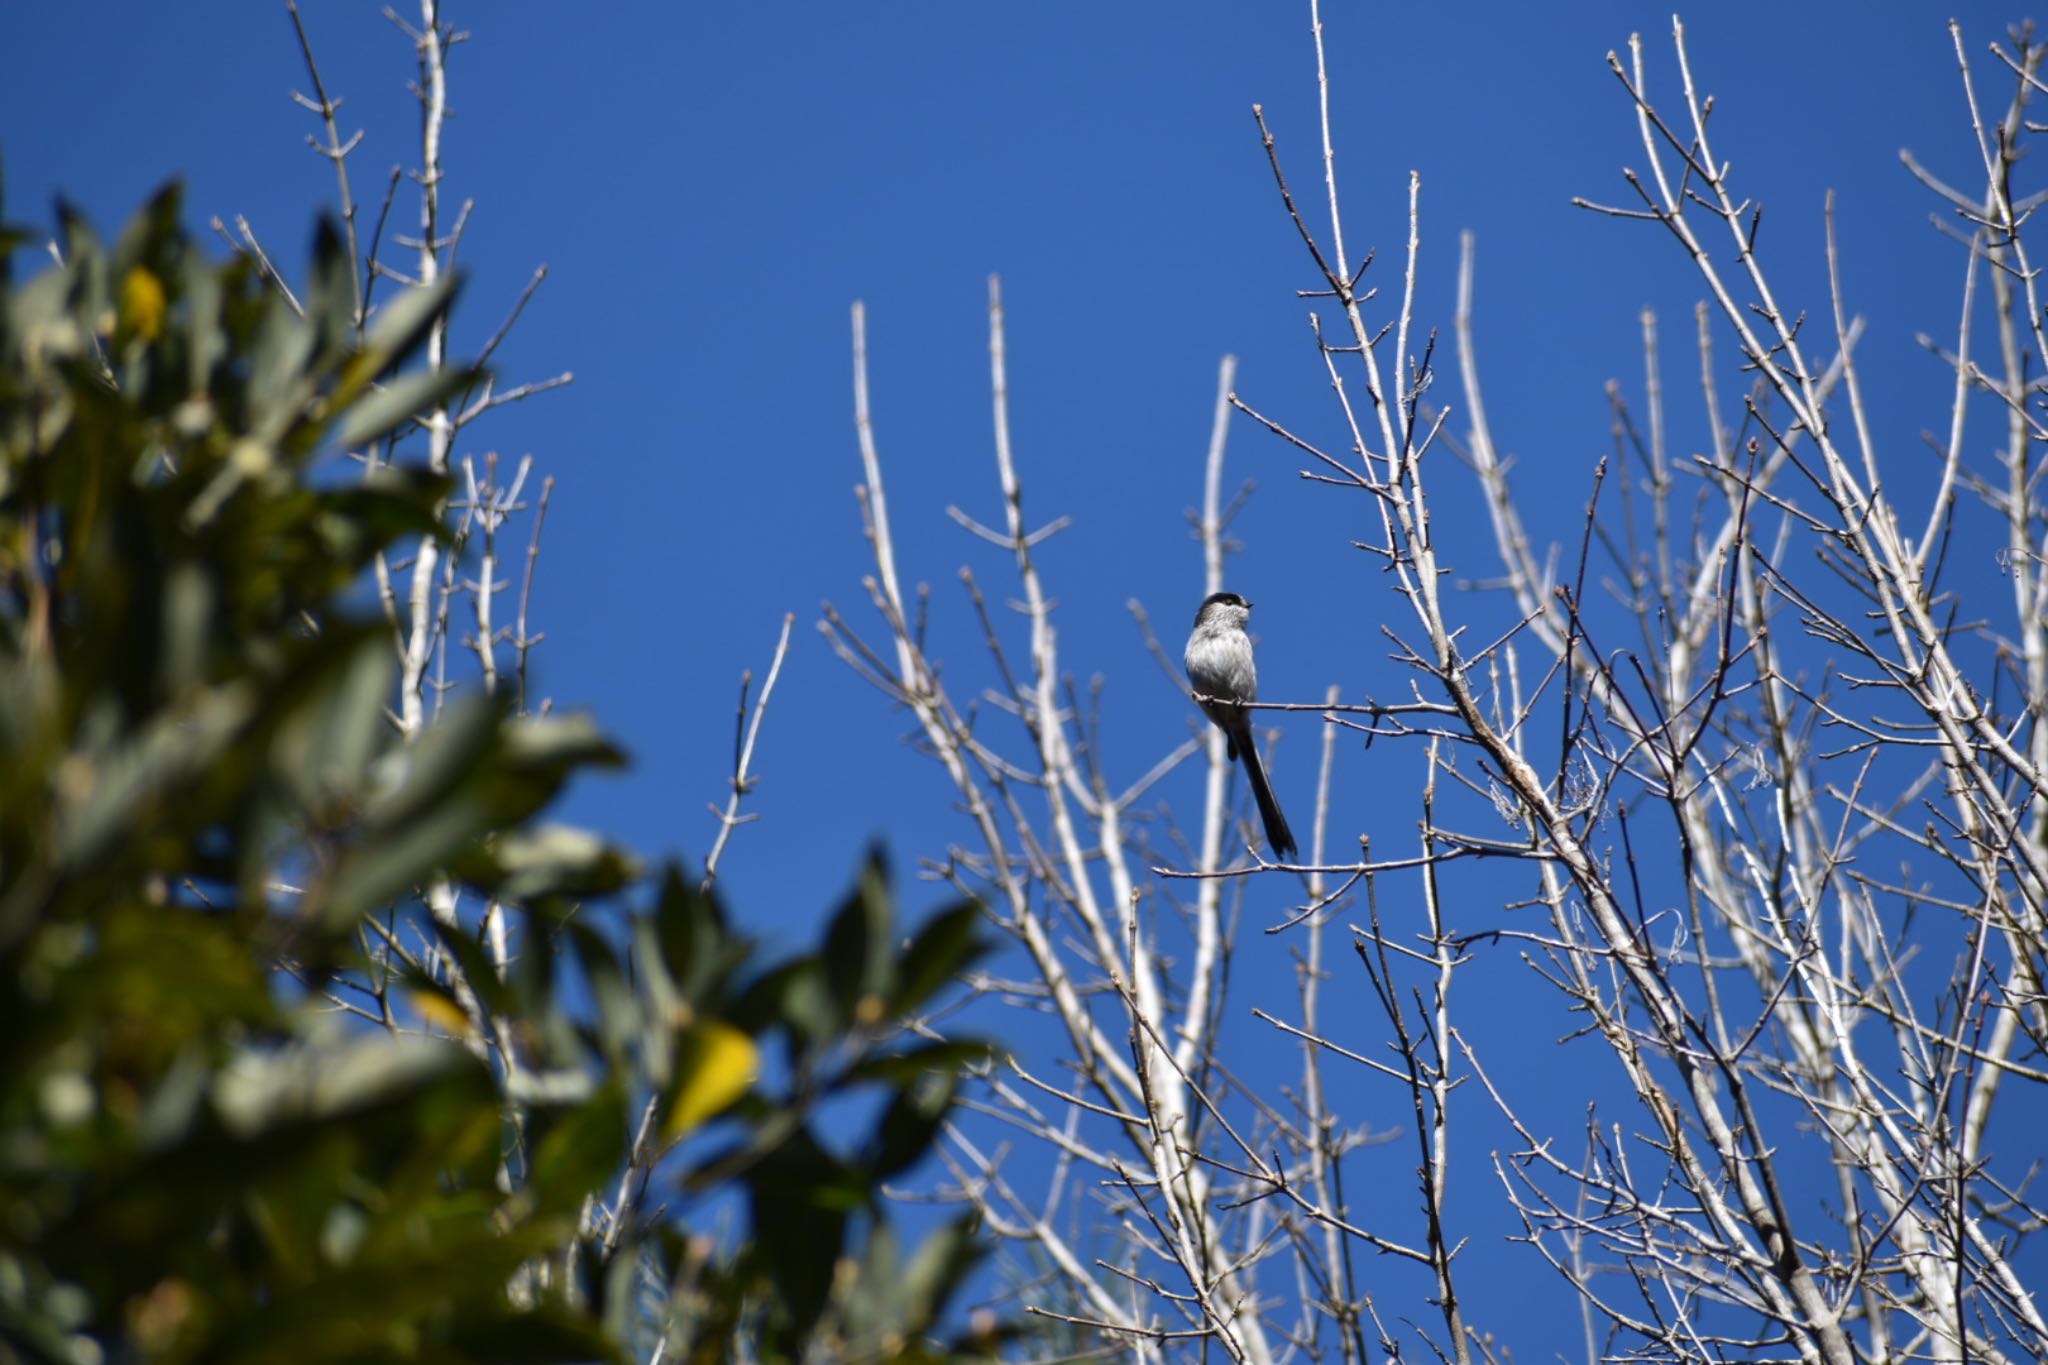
[(1223, 609)]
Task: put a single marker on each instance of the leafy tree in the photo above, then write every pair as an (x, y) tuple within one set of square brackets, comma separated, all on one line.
[(206, 811)]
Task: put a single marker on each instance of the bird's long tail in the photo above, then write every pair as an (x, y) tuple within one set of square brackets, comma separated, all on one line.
[(1277, 833)]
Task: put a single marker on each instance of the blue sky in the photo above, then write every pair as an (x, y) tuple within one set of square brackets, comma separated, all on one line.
[(711, 186)]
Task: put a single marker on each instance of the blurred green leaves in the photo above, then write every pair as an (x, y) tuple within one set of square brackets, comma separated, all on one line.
[(855, 1101), (201, 799), (211, 832)]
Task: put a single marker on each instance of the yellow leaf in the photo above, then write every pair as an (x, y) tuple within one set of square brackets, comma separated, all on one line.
[(142, 302), (715, 1065), (440, 1011)]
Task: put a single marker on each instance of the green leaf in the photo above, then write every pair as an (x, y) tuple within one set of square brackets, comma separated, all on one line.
[(795, 996), (402, 322), (133, 783), (548, 860), (279, 386), (396, 329), (330, 293), (421, 776), (700, 951), (559, 743), (910, 1125), (943, 1262), (799, 1229), (379, 872), (155, 232), (955, 1056), (264, 1091), (857, 963), (206, 342), (871, 1308), (579, 1151), (541, 1336), (662, 1005), (943, 949), (619, 1014), (324, 749), (401, 400)]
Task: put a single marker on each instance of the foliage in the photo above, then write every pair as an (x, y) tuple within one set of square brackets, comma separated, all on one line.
[(206, 811)]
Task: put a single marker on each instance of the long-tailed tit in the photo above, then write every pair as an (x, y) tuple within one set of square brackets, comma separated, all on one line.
[(1219, 664)]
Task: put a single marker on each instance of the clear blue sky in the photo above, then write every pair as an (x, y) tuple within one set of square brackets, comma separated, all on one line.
[(712, 185)]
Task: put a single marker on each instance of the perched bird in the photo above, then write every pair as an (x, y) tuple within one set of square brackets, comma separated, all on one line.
[(1219, 664)]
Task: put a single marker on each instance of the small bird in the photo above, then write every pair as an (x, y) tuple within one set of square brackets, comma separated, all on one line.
[(1219, 664)]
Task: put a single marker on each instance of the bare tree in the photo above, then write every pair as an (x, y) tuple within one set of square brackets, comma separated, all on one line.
[(1763, 763), (449, 631), (437, 962)]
